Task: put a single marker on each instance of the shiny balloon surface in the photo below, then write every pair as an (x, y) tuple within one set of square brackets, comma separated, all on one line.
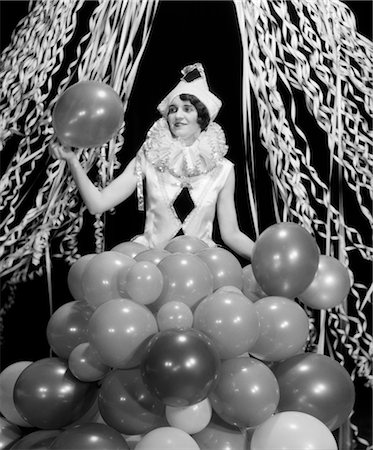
[(285, 259), (87, 114), (180, 367), (48, 396)]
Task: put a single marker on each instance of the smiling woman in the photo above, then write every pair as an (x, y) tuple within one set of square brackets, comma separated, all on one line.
[(183, 155)]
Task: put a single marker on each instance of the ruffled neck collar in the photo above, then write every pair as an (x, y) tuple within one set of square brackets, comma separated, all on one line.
[(169, 154)]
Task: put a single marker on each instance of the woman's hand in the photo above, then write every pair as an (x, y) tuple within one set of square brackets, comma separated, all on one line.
[(58, 151)]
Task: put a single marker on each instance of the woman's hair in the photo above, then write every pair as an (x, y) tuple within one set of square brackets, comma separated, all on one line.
[(202, 112)]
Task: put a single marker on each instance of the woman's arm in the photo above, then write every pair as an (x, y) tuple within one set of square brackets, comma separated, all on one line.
[(98, 201), (227, 218)]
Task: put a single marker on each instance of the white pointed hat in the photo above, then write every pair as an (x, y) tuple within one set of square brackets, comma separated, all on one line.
[(193, 82)]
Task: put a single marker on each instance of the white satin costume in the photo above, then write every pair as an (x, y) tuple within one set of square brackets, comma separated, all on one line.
[(167, 165)]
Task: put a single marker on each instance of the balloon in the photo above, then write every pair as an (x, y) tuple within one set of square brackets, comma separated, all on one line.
[(119, 330), (219, 435), (99, 279), (185, 244), (317, 385), (90, 436), (37, 440), (283, 329), (85, 363), (154, 255), (144, 282), (230, 320), (224, 266), (250, 287), (285, 259), (126, 404), (186, 278), (130, 248), (48, 396), (8, 378), (9, 433), (74, 277), (190, 419), (180, 367), (174, 315), (330, 286), (293, 431), (87, 114), (68, 327), (167, 438), (246, 394)]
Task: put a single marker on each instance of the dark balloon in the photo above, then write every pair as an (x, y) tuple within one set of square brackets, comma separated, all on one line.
[(317, 385), (126, 404), (285, 259), (37, 440), (87, 114), (48, 396), (180, 367), (90, 436)]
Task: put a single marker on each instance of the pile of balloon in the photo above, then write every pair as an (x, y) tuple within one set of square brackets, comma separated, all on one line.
[(183, 348)]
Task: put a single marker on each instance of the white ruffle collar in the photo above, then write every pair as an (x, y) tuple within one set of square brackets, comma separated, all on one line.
[(170, 154)]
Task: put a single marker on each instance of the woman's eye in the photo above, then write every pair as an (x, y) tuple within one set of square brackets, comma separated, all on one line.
[(171, 110)]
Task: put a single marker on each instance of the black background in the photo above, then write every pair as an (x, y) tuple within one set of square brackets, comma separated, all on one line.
[(183, 32)]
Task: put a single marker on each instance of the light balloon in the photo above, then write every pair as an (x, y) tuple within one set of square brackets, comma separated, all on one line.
[(293, 431), (8, 378), (167, 438), (329, 287)]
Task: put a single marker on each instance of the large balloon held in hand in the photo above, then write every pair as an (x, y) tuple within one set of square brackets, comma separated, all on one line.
[(293, 431), (180, 367), (87, 114), (285, 259), (317, 385), (329, 287), (48, 396)]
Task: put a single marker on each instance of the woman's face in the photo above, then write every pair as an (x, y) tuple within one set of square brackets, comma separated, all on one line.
[(182, 119)]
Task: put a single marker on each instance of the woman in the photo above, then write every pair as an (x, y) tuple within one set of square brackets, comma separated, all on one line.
[(183, 162)]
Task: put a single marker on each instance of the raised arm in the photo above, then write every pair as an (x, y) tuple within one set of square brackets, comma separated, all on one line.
[(230, 232), (98, 201)]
